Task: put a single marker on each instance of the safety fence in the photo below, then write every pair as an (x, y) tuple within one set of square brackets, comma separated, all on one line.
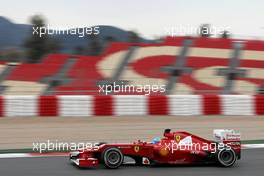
[(120, 105)]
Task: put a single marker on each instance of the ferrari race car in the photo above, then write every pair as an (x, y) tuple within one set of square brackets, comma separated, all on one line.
[(174, 148)]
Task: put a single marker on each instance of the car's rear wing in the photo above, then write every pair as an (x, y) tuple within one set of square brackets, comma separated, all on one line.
[(225, 135), (231, 138)]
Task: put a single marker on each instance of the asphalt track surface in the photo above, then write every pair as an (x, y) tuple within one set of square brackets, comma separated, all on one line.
[(250, 164)]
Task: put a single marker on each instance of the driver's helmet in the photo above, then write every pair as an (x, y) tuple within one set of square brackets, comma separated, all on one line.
[(156, 140)]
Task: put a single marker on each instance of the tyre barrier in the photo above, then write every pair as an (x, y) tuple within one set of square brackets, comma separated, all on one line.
[(118, 105)]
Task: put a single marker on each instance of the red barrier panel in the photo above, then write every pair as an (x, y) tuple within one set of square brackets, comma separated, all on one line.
[(158, 105), (259, 104), (1, 106), (211, 105), (48, 106), (103, 105)]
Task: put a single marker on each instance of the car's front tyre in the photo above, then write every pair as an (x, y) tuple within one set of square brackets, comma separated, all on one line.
[(112, 158)]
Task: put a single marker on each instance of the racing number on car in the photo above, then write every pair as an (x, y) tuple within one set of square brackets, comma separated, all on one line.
[(136, 149)]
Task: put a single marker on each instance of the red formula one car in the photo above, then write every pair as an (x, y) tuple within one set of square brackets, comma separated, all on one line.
[(173, 148)]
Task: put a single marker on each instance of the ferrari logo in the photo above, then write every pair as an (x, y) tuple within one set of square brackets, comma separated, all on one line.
[(177, 138), (136, 148)]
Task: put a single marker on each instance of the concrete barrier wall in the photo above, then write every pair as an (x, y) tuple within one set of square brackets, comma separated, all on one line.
[(120, 105)]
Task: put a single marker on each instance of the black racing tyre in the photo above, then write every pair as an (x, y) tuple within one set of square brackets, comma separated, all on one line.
[(112, 158), (226, 157)]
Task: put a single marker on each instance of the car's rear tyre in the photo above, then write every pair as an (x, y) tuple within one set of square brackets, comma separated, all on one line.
[(226, 157), (112, 158)]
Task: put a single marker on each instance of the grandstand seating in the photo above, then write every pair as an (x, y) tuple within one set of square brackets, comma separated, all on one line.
[(205, 57), (36, 72)]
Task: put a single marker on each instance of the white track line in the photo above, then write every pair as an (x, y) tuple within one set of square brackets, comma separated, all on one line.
[(14, 155), (252, 146)]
